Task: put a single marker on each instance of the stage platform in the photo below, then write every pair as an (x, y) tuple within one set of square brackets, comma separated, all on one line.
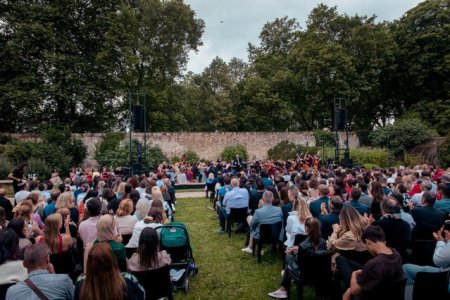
[(190, 186)]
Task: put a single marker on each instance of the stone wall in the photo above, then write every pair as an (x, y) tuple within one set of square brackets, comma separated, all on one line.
[(209, 145)]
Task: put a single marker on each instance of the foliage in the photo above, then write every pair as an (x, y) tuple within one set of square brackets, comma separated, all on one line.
[(371, 156), (5, 167), (174, 159), (284, 150), (230, 152), (110, 142), (39, 167), (402, 135), (192, 157), (121, 156), (73, 148), (324, 138), (422, 59), (444, 152)]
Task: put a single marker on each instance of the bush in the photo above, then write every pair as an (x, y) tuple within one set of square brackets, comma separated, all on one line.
[(175, 159), (444, 152), (371, 156), (120, 157), (191, 157), (324, 138), (284, 150), (402, 135), (39, 167), (62, 137), (110, 142), (230, 152), (6, 167)]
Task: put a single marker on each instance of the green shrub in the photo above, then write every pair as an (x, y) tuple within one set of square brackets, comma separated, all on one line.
[(284, 150), (111, 142), (324, 138), (6, 167), (39, 167), (444, 152), (230, 152), (191, 157), (373, 156), (402, 135), (120, 157), (62, 137), (175, 159)]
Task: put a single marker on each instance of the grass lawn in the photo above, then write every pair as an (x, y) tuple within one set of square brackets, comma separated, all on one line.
[(225, 272)]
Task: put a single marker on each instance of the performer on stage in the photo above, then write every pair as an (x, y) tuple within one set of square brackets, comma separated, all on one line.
[(17, 176)]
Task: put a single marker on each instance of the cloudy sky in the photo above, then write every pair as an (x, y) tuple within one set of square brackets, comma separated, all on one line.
[(231, 24)]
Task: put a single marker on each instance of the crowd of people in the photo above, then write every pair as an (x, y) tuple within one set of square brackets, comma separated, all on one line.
[(96, 227), (84, 236), (369, 220)]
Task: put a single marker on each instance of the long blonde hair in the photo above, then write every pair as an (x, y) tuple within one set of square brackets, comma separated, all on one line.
[(303, 210), (51, 231), (351, 220), (65, 200)]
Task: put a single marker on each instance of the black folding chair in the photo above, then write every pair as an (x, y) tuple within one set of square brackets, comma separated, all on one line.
[(422, 252), (431, 286), (391, 290), (126, 238), (130, 251), (238, 215), (157, 283), (314, 270), (268, 234)]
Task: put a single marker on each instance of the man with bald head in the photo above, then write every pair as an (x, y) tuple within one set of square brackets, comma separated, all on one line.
[(236, 198)]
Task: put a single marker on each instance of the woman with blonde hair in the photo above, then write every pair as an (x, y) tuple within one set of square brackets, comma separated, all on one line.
[(295, 223), (57, 242), (25, 210), (121, 190), (103, 278), (125, 221), (346, 241), (38, 203), (67, 200)]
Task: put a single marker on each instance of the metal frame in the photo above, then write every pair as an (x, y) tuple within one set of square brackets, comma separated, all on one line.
[(341, 103), (138, 95)]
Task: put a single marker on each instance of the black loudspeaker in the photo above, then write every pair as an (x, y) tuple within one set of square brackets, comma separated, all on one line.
[(137, 169), (340, 118), (138, 118)]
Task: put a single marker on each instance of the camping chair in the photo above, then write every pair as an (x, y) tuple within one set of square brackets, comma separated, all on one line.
[(157, 283), (268, 234)]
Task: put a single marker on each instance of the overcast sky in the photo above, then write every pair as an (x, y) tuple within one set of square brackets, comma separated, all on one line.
[(231, 24)]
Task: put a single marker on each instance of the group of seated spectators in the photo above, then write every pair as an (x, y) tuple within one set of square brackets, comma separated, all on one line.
[(83, 238), (369, 220)]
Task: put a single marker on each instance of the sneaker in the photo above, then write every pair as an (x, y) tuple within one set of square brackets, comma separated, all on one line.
[(247, 250), (278, 294), (220, 231)]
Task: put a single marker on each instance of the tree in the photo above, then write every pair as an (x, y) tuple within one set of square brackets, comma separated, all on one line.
[(423, 59)]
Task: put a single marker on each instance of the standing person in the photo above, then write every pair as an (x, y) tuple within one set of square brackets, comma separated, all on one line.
[(373, 281), (103, 278), (17, 176), (41, 277)]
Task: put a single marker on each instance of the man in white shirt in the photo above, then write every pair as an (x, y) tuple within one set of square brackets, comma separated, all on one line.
[(23, 194)]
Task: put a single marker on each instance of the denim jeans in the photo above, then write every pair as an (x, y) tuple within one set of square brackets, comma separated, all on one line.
[(411, 271), (223, 216)]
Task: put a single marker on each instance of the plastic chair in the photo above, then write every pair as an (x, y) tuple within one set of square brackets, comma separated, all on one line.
[(126, 238), (429, 285), (157, 283), (268, 234), (313, 270), (238, 215)]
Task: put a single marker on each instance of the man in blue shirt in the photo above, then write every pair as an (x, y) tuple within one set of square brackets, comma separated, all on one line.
[(355, 194), (444, 203), (41, 274), (315, 206), (236, 198)]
